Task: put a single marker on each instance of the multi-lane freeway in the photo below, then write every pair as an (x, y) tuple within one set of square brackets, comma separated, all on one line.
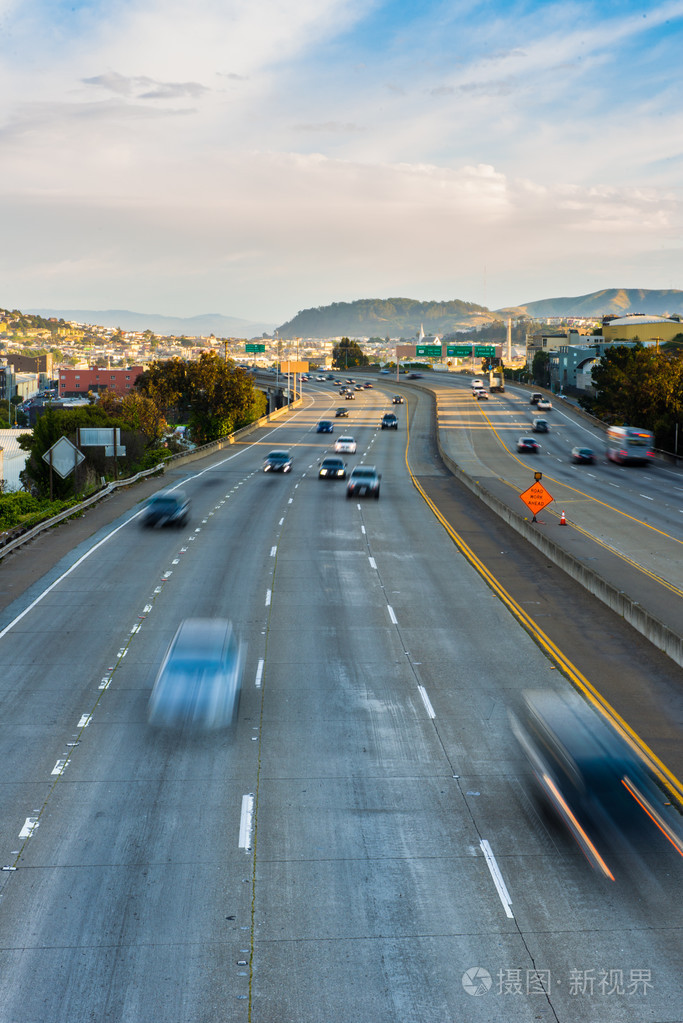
[(364, 844)]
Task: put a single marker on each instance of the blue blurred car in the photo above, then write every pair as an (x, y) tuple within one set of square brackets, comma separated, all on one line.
[(200, 678)]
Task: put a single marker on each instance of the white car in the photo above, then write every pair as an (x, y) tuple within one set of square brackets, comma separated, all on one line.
[(346, 444), (320, 378), (481, 393), (544, 405)]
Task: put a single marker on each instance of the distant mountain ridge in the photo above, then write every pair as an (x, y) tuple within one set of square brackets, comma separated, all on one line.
[(192, 326), (614, 301), (385, 317)]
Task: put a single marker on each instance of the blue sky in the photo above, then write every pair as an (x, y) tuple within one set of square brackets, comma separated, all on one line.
[(256, 157)]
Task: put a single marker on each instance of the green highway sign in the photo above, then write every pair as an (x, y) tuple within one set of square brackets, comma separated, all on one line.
[(254, 348), (434, 350), (462, 351)]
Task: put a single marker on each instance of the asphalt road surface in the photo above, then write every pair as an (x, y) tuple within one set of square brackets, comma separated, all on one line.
[(365, 843)]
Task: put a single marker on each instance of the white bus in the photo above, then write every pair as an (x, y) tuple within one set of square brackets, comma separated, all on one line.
[(629, 445)]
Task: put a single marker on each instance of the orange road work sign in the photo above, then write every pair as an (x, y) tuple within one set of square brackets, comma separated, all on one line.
[(536, 498)]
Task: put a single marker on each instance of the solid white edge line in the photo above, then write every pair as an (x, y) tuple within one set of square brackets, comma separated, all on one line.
[(246, 816), (427, 702), (494, 870), (105, 539), (259, 673), (391, 614)]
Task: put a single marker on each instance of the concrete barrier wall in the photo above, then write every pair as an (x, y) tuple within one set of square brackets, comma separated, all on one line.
[(621, 603)]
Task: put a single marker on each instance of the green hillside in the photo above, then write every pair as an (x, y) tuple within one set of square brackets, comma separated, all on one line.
[(392, 317)]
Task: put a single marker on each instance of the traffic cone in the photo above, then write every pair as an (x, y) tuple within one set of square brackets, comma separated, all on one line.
[(563, 520)]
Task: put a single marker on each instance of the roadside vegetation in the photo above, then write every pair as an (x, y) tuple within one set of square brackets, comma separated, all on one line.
[(640, 387)]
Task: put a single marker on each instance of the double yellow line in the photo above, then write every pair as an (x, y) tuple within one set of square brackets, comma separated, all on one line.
[(667, 778)]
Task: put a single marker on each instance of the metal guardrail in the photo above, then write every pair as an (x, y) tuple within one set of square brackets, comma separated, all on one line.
[(178, 459)]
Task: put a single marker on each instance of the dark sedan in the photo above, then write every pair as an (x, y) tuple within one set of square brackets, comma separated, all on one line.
[(583, 456), (325, 426), (341, 412), (332, 468), (364, 480), (277, 461), (166, 509), (528, 446)]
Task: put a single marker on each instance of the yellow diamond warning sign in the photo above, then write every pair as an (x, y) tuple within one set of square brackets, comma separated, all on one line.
[(536, 498)]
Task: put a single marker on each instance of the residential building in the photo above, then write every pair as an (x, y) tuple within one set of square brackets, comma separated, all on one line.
[(74, 383)]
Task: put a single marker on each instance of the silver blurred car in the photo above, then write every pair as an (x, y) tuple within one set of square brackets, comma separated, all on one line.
[(200, 678)]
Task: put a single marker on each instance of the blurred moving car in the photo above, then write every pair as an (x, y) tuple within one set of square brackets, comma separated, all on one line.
[(477, 382), (528, 446), (367, 384), (166, 509), (350, 396), (341, 412), (346, 444), (200, 678), (544, 405), (277, 461), (415, 376), (535, 398), (583, 456), (325, 426), (596, 782), (540, 426), (397, 399), (364, 480), (389, 421), (481, 392), (385, 372), (332, 468)]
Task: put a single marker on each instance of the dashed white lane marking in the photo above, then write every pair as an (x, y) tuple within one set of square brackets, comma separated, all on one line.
[(427, 702), (647, 498), (280, 522), (362, 529), (391, 614), (269, 594), (176, 561), (167, 575), (259, 673), (85, 720), (290, 500), (30, 825), (373, 563), (59, 767), (246, 817), (494, 870), (273, 551)]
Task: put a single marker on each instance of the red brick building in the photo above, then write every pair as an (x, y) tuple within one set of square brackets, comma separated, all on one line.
[(74, 383)]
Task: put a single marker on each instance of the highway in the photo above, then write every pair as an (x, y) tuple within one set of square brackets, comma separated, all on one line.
[(365, 843)]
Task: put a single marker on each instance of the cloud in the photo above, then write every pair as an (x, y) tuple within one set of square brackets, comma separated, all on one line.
[(142, 87)]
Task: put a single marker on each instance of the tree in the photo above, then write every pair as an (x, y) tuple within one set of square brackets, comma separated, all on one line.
[(212, 394), (347, 354), (642, 387), (540, 369)]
